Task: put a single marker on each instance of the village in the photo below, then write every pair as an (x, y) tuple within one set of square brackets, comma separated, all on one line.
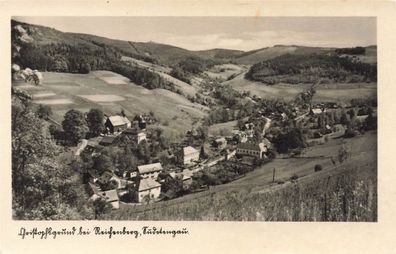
[(192, 166)]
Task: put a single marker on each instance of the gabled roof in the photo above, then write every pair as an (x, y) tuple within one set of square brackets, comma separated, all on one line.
[(316, 111), (110, 195), (107, 140), (249, 146), (148, 168), (147, 184), (187, 174), (118, 120), (189, 150)]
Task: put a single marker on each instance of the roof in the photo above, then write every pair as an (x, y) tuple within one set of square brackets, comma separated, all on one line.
[(110, 195), (105, 177), (249, 146), (107, 140), (172, 174), (317, 111), (187, 174), (95, 189), (148, 168), (147, 184), (362, 118), (189, 150), (118, 120)]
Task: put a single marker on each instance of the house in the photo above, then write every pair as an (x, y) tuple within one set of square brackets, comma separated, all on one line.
[(110, 196), (107, 141), (317, 111), (190, 155), (251, 149), (186, 176), (150, 170), (148, 190), (219, 143), (105, 178), (115, 124), (129, 174)]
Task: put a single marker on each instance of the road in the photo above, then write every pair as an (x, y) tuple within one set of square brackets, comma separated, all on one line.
[(81, 147), (267, 125)]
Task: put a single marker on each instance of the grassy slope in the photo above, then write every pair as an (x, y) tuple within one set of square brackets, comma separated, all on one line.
[(166, 105), (255, 56), (350, 190)]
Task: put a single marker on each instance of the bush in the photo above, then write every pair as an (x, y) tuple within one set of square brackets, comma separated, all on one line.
[(294, 178), (318, 167), (350, 133)]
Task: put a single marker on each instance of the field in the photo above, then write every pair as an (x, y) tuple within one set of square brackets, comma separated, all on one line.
[(331, 92), (163, 71), (111, 93), (224, 71), (345, 192)]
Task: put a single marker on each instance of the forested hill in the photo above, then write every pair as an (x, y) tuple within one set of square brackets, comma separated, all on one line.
[(326, 68), (48, 49)]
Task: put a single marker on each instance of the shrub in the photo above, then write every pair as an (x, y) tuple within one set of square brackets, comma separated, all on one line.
[(294, 178), (318, 167)]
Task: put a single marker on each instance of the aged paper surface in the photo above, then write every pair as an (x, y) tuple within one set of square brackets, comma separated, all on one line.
[(216, 237)]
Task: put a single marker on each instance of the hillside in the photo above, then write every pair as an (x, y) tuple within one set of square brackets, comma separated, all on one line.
[(311, 68), (112, 93)]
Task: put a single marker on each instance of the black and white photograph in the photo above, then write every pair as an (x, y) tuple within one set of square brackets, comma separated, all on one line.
[(193, 118)]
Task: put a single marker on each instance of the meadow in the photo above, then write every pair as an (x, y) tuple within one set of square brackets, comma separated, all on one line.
[(325, 92), (112, 93)]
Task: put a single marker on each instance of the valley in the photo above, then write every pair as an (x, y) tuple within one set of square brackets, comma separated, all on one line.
[(149, 131)]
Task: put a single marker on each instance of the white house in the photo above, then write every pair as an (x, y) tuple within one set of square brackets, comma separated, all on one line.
[(148, 190), (190, 155), (253, 150), (150, 170), (317, 111)]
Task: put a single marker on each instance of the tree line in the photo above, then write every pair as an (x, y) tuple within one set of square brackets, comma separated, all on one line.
[(83, 59)]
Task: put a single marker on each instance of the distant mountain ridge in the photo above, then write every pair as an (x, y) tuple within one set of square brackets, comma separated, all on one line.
[(162, 53)]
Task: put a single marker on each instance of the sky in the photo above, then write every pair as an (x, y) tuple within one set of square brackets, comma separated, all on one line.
[(241, 33)]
